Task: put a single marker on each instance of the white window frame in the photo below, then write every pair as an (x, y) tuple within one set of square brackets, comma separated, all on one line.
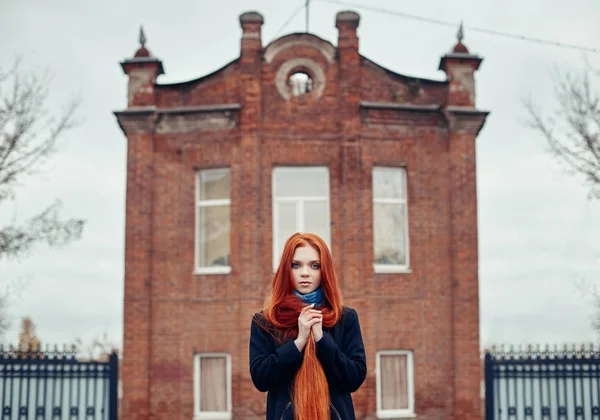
[(393, 268), (398, 413), (299, 200), (212, 415), (208, 203)]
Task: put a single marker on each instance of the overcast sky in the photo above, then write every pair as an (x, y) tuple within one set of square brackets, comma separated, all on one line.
[(539, 232)]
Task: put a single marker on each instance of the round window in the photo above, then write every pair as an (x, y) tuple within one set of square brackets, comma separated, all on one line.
[(300, 77)]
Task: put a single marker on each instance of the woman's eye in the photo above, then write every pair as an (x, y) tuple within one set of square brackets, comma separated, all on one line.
[(295, 265), (315, 266)]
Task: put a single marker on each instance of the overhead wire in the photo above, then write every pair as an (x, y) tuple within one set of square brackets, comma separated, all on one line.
[(471, 28), (287, 22)]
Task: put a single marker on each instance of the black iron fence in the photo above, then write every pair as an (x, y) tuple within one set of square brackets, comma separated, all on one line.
[(542, 384), (55, 385)]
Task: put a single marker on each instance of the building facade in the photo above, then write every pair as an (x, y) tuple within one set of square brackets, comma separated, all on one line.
[(300, 135)]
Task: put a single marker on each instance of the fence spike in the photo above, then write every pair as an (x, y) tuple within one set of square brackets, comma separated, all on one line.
[(24, 366), (558, 366)]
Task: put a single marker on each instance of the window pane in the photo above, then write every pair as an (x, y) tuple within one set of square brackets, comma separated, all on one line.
[(394, 382), (316, 218), (213, 384), (214, 184), (301, 182), (213, 236), (389, 183), (389, 236), (287, 224)]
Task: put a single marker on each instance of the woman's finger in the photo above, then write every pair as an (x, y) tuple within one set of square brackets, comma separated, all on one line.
[(306, 308), (312, 313), (313, 317), (311, 321)]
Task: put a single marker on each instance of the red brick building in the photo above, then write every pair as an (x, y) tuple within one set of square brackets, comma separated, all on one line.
[(300, 135)]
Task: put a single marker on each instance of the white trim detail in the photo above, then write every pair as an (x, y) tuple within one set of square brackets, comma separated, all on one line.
[(398, 413), (313, 69), (309, 41), (224, 269), (391, 269), (211, 415), (214, 203)]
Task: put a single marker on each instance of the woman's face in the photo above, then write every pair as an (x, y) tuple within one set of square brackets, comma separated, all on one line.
[(306, 269)]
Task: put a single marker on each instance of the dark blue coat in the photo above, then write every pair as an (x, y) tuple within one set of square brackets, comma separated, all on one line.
[(342, 355)]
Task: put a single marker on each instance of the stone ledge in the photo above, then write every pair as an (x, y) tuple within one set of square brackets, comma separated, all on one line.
[(394, 114), (403, 107), (178, 120), (457, 118), (465, 119)]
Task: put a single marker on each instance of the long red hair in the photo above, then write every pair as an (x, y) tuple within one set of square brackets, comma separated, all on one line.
[(310, 393)]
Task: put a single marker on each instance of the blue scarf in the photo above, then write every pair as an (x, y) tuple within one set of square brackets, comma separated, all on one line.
[(315, 297)]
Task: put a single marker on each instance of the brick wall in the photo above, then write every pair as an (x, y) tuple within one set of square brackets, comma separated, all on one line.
[(362, 115)]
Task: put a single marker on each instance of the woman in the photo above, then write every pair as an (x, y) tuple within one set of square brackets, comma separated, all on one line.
[(306, 349)]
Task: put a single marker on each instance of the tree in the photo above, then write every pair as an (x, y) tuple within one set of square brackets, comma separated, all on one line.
[(28, 340), (99, 349), (28, 139), (573, 134), (3, 319), (8, 290), (573, 130)]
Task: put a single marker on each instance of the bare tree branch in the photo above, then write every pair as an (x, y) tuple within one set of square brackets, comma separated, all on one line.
[(100, 348), (573, 135), (46, 227), (9, 290), (573, 131), (4, 322), (28, 134), (28, 138)]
